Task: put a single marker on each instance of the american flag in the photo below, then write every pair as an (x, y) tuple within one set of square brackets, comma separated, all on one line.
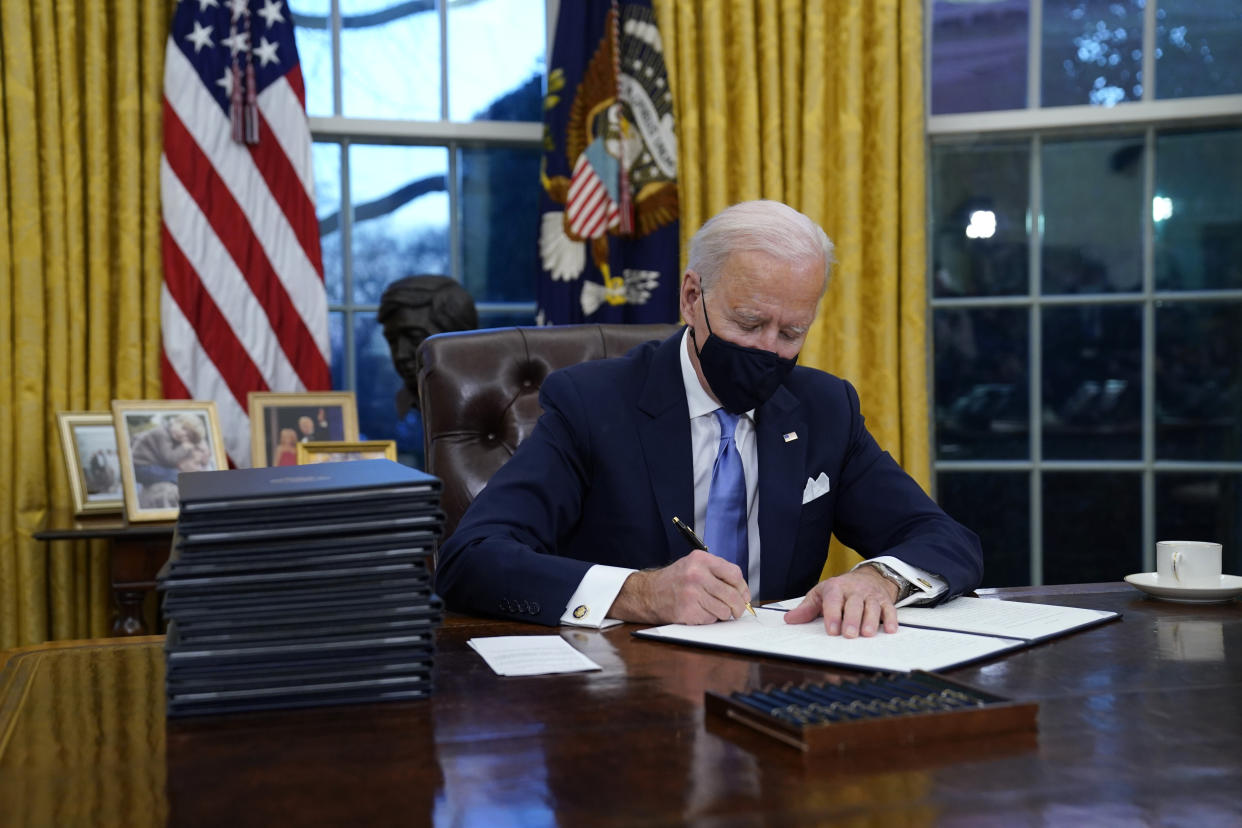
[(243, 306), (590, 210)]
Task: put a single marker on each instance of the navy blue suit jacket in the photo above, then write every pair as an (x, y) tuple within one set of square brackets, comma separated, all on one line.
[(609, 464)]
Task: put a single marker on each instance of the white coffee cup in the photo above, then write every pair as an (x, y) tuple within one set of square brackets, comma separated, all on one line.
[(1191, 564)]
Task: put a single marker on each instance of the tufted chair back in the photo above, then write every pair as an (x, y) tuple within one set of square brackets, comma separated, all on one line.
[(479, 394)]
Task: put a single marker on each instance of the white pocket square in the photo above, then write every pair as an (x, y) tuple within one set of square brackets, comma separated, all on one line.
[(815, 487)]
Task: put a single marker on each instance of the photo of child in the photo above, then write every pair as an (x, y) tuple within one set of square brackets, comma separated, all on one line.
[(286, 453), (163, 446)]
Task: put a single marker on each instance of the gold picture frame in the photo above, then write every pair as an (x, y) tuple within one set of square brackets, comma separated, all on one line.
[(188, 439), (332, 451), (278, 423), (88, 441)]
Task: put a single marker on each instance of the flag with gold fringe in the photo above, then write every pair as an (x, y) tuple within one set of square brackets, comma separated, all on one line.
[(608, 238)]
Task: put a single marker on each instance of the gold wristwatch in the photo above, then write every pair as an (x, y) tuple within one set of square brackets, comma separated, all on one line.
[(904, 587)]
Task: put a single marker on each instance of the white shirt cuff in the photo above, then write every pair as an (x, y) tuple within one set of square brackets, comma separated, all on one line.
[(927, 586), (589, 605)]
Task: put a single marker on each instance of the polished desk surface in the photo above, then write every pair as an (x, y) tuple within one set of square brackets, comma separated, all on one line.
[(1139, 723)]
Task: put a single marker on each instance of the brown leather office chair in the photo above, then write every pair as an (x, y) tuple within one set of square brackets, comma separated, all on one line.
[(479, 394)]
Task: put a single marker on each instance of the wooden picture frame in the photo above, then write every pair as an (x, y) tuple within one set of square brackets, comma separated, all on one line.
[(332, 451), (88, 441), (188, 439), (279, 422)]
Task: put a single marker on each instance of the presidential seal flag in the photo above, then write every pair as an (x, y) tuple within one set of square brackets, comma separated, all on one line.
[(608, 236), (243, 306)]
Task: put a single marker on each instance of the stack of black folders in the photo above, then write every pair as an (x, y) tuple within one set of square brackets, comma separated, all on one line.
[(301, 586)]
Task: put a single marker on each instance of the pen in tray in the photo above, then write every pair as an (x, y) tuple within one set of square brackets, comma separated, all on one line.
[(697, 543)]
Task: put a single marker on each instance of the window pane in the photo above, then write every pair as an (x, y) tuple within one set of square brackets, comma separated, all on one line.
[(980, 196), (378, 384), (1199, 381), (1199, 48), (978, 56), (1092, 52), (326, 159), (996, 506), (390, 59), (982, 408), (1202, 507), (401, 215), (1198, 210), (336, 339), (1092, 527), (1093, 216), (313, 34), (496, 60), (499, 223), (1092, 384)]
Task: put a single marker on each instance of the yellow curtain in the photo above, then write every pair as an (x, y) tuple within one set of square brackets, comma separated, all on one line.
[(820, 105), (80, 93)]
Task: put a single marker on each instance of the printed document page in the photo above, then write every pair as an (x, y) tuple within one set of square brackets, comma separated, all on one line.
[(988, 616), (766, 633), (1014, 619)]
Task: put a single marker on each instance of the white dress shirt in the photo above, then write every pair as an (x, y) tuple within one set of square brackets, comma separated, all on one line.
[(589, 605)]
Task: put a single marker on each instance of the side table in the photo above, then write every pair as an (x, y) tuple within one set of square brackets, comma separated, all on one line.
[(137, 552)]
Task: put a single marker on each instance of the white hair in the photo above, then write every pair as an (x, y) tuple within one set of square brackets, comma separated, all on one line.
[(192, 423), (768, 227)]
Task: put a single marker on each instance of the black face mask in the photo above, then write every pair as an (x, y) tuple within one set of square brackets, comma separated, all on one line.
[(741, 378)]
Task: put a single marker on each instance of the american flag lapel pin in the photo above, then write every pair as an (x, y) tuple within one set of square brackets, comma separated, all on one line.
[(791, 436)]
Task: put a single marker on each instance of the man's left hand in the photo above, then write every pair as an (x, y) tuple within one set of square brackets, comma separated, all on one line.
[(857, 602)]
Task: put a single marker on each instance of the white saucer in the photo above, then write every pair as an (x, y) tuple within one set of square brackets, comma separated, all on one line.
[(1230, 587)]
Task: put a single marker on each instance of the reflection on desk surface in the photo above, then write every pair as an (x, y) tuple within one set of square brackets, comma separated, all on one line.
[(1138, 724)]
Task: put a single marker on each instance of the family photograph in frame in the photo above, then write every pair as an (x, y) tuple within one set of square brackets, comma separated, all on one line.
[(342, 451), (279, 422), (88, 439), (156, 441)]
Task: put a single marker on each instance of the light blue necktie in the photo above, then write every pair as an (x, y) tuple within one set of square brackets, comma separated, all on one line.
[(726, 500)]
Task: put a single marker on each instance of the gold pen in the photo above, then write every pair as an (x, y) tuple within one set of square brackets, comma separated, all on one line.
[(695, 541)]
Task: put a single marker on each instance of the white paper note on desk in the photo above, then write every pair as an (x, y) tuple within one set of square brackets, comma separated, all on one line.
[(530, 655)]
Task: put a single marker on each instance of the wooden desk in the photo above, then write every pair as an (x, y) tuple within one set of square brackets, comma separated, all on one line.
[(137, 551), (1139, 724)]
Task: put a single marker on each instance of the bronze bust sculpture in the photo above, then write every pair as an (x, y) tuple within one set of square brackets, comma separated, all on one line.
[(413, 308)]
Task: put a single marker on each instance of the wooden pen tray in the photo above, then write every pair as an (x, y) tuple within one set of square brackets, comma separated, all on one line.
[(883, 710)]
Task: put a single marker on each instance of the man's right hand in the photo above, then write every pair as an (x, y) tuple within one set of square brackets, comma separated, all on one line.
[(700, 588)]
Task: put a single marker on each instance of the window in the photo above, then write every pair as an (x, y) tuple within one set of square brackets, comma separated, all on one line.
[(427, 124), (1085, 256)]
